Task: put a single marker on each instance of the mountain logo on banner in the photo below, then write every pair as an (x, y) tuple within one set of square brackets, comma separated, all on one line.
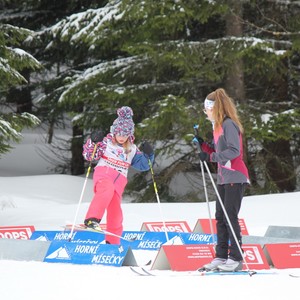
[(42, 238), (176, 240), (60, 253)]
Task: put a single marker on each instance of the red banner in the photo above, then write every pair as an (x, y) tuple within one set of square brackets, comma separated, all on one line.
[(192, 257), (283, 256), (16, 232), (176, 226), (203, 226)]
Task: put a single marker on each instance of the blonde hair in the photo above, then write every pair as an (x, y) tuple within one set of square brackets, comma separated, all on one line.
[(127, 145), (224, 106)]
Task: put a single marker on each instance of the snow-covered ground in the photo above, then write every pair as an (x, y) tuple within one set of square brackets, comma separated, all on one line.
[(48, 201)]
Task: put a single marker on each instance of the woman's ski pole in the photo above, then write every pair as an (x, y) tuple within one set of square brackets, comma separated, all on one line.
[(196, 142), (227, 218)]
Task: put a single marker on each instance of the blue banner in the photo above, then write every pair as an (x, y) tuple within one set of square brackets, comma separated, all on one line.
[(150, 240), (198, 238), (146, 240), (83, 253), (137, 240), (87, 237)]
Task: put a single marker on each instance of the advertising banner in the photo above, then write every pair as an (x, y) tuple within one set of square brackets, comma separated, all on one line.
[(82, 253)]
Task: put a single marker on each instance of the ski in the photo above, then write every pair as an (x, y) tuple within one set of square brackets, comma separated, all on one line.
[(241, 272), (220, 272), (81, 227), (141, 271), (224, 273), (294, 275)]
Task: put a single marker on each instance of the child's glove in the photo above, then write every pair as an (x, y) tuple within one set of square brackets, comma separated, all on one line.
[(97, 136), (146, 148)]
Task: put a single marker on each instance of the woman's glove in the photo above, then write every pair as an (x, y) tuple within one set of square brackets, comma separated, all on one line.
[(97, 136), (198, 139), (204, 156), (146, 148)]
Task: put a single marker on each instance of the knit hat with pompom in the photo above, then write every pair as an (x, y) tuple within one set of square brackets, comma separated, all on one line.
[(123, 125)]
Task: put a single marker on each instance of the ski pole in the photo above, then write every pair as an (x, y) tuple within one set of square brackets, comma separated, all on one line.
[(82, 192), (101, 231), (227, 218), (196, 142), (157, 197)]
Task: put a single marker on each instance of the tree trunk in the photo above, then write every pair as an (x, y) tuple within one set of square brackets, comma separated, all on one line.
[(234, 82), (77, 161), (279, 165), (21, 95)]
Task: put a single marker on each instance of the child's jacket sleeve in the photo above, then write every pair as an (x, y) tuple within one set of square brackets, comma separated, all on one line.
[(140, 161), (88, 149)]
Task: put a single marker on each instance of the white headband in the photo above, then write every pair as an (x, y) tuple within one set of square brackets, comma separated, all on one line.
[(208, 104)]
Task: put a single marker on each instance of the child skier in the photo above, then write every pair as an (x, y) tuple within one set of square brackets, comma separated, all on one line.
[(116, 153)]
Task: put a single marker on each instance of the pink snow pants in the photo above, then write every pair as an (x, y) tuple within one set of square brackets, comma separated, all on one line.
[(108, 188)]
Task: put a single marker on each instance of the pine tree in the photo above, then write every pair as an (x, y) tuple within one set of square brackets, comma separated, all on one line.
[(162, 59), (13, 61)]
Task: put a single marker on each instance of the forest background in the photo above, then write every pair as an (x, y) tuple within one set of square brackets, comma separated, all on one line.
[(68, 65)]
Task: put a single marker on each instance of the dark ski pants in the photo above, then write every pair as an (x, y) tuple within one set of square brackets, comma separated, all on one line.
[(231, 196)]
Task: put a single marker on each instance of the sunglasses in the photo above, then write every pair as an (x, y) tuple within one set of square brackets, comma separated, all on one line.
[(205, 110)]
